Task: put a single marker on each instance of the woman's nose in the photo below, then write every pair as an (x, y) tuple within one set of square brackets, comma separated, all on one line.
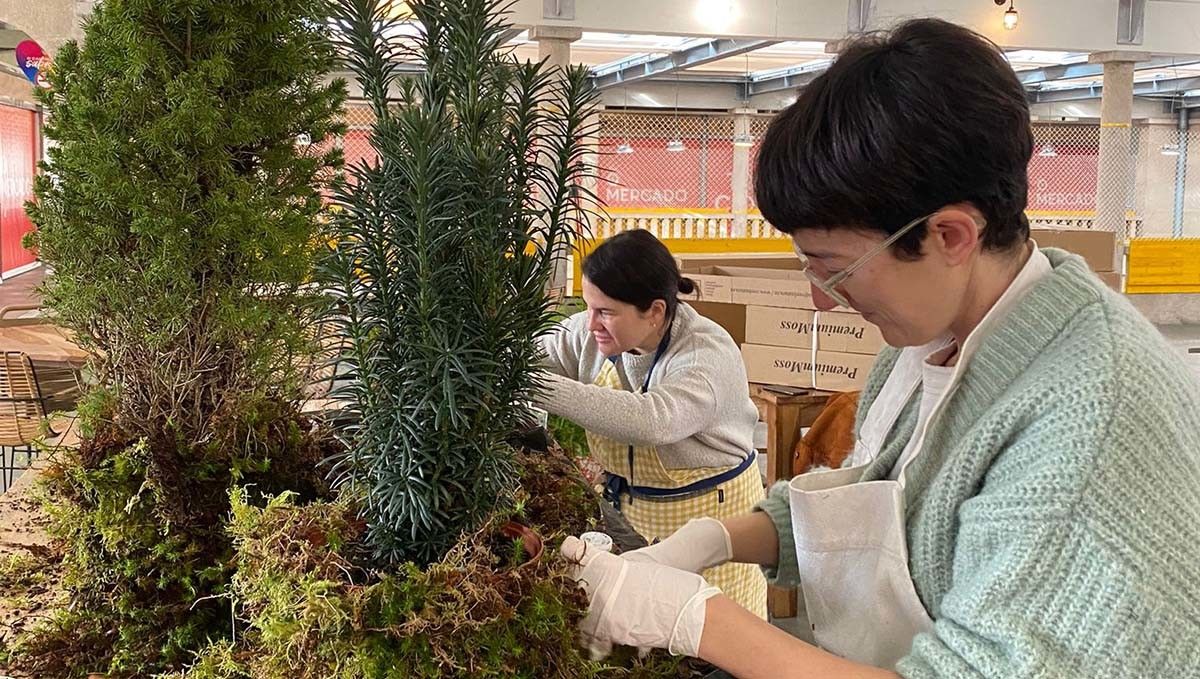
[(822, 301), (594, 321)]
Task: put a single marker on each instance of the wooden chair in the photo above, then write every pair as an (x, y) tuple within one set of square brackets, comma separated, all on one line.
[(21, 414), (21, 314)]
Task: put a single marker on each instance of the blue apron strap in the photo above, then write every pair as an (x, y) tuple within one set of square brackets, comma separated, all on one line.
[(615, 485)]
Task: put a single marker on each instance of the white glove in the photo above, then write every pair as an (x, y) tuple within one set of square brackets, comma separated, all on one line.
[(698, 545), (638, 604)]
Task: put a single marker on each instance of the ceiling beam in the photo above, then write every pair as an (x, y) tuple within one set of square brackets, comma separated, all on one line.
[(1038, 76), (1131, 21), (1072, 25), (640, 68), (1148, 88), (509, 34), (787, 79)]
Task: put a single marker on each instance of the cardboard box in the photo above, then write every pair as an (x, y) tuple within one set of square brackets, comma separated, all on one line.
[(1097, 247), (756, 260), (786, 288), (711, 286), (834, 370), (1112, 279), (835, 331), (732, 317)]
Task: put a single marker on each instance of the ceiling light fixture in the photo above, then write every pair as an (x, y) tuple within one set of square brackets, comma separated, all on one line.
[(676, 145), (1011, 17), (716, 15), (624, 148)]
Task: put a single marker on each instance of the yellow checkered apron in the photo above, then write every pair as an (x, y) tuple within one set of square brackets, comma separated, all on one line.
[(655, 519)]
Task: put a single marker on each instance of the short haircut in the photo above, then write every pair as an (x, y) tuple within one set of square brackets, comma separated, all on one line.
[(903, 123)]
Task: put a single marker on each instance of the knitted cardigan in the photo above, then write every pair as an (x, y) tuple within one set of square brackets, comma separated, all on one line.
[(1053, 515)]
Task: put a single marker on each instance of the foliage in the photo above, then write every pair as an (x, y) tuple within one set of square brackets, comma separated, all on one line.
[(147, 590), (571, 436), (308, 608), (445, 247), (177, 212), (180, 218)]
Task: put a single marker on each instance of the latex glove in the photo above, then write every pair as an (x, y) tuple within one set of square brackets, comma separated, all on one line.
[(638, 604), (698, 545)]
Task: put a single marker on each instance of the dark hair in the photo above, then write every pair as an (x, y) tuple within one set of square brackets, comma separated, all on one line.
[(902, 124), (636, 268)]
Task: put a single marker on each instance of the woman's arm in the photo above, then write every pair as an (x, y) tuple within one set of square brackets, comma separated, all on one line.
[(753, 539), (748, 647), (670, 412), (562, 346)]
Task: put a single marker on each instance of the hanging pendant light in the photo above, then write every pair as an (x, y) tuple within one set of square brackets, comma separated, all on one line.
[(676, 145), (1011, 17), (744, 139), (624, 148)]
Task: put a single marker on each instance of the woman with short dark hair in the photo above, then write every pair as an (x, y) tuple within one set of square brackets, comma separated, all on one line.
[(1023, 499), (662, 394)]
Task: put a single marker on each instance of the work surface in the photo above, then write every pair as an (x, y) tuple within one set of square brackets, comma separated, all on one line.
[(44, 343)]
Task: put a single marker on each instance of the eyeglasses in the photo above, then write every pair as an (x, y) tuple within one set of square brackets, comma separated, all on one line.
[(829, 286)]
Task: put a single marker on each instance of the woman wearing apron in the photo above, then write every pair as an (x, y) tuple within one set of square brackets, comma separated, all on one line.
[(662, 394), (1022, 498)]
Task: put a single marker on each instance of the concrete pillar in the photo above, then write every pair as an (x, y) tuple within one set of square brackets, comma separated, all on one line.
[(554, 45), (555, 42), (740, 190), (1115, 172), (590, 184)]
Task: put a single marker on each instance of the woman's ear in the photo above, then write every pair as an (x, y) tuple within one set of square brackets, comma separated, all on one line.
[(953, 235), (658, 312)]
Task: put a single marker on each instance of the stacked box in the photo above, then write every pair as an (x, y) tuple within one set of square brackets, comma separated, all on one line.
[(785, 340)]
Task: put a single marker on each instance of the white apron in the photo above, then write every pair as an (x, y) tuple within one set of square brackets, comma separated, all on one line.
[(851, 542), (851, 546)]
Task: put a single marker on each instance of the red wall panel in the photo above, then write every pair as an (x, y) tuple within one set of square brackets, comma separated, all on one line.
[(19, 150)]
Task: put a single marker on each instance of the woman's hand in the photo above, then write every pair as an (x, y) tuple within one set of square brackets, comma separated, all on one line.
[(699, 545), (640, 604)]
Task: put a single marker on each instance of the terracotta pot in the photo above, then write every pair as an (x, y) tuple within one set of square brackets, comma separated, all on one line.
[(530, 541)]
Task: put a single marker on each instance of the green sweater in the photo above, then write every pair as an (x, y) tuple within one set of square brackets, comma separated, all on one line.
[(1054, 512)]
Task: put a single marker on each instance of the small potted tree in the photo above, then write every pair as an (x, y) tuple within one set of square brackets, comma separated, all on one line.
[(445, 244), (445, 250), (179, 218)]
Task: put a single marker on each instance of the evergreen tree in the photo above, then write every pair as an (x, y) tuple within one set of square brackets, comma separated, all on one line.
[(180, 214), (445, 246)]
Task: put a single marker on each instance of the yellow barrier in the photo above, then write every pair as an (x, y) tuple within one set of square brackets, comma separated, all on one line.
[(1163, 266)]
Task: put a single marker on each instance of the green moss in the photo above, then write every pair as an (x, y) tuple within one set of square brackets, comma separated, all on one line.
[(306, 609)]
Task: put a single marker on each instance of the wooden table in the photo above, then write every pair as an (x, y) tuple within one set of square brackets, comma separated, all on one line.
[(786, 411), (46, 345)]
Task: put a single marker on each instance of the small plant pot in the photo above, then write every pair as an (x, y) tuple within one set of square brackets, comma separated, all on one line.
[(531, 542)]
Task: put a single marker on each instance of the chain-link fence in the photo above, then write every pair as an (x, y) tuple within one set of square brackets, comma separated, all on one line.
[(1166, 186), (356, 144), (683, 165), (651, 161), (1142, 191), (758, 129)]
